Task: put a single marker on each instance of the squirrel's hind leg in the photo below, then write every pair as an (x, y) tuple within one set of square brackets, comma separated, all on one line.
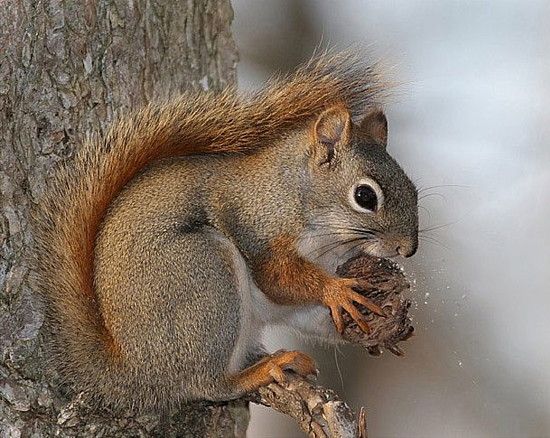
[(185, 323), (219, 354), (191, 325), (250, 366)]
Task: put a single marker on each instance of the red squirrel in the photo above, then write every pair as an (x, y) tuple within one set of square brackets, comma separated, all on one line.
[(167, 246)]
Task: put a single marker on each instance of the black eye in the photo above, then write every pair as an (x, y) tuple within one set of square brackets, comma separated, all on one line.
[(366, 197)]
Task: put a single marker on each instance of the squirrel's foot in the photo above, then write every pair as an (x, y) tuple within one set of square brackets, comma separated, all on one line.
[(339, 294), (273, 368), (282, 361)]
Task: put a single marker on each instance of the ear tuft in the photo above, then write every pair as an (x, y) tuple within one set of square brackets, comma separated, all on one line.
[(375, 126), (332, 129)]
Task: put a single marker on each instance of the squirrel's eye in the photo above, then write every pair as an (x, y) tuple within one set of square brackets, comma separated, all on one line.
[(366, 197)]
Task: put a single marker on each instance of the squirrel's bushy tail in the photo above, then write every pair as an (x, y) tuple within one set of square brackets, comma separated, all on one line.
[(195, 123)]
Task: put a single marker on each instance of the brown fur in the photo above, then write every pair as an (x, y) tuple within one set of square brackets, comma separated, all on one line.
[(70, 216), (287, 278)]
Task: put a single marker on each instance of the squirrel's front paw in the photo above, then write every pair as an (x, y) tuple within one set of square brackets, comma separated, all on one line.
[(339, 294)]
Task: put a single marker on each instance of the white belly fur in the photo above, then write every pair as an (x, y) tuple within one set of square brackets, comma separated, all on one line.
[(258, 312)]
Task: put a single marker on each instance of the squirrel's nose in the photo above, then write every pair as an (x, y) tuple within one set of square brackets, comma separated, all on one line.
[(407, 248)]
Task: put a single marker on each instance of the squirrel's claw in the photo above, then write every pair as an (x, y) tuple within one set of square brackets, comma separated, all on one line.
[(369, 304), (357, 316), (295, 361), (278, 374), (336, 314), (274, 368), (341, 296)]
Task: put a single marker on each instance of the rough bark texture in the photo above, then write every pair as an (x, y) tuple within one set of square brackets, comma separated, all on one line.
[(317, 410), (66, 67)]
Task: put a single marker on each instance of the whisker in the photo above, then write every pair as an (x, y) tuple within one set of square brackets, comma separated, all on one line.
[(424, 189), (343, 243), (437, 227), (369, 231), (427, 195), (426, 210), (434, 242), (431, 238), (330, 245), (335, 233), (352, 248), (357, 236)]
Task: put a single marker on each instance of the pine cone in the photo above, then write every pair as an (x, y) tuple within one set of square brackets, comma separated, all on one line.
[(388, 283)]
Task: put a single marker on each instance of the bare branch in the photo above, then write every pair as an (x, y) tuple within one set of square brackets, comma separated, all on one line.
[(317, 410)]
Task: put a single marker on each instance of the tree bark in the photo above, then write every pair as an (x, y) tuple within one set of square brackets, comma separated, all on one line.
[(66, 68)]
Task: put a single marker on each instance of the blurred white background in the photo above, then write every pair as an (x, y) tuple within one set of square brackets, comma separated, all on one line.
[(472, 119)]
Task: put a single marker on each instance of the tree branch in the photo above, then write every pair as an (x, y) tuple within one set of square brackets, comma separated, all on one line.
[(317, 410)]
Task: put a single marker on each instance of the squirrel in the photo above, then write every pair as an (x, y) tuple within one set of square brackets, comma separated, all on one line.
[(164, 248)]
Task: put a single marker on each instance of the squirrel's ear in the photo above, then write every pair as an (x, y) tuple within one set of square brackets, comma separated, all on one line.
[(375, 127), (331, 130)]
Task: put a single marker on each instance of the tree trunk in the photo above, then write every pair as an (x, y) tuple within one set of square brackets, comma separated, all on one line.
[(66, 67)]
